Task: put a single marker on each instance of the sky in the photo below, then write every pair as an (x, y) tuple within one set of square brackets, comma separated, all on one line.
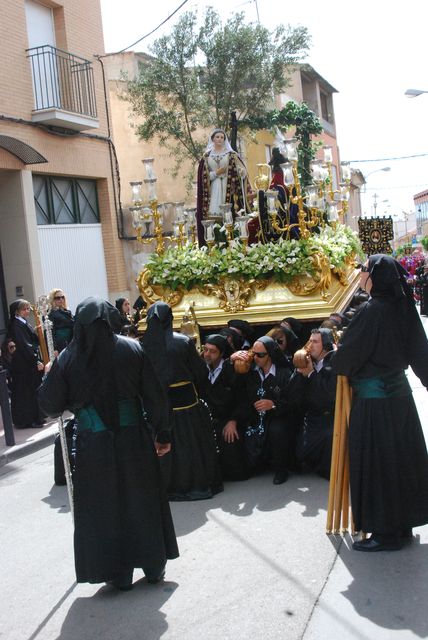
[(369, 51)]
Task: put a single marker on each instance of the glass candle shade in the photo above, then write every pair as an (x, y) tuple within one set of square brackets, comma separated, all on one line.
[(344, 192), (332, 214), (208, 230), (287, 169), (137, 195), (316, 171), (312, 196), (242, 222), (148, 165), (328, 154), (271, 196), (151, 188), (136, 217), (346, 171), (291, 149), (226, 212)]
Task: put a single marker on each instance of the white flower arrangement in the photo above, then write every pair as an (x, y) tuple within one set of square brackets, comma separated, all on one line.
[(191, 266)]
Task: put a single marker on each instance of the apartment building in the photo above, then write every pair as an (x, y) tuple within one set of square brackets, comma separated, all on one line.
[(60, 222)]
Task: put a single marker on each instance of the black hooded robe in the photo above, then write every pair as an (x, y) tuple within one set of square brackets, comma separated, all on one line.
[(191, 470), (122, 517), (388, 455)]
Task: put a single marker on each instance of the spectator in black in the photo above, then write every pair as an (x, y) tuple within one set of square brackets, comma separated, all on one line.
[(61, 318), (124, 307), (26, 368)]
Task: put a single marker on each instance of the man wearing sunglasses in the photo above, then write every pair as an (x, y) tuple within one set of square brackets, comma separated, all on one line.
[(263, 410)]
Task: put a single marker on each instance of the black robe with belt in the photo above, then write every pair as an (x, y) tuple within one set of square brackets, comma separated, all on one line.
[(388, 455), (192, 469), (24, 374), (122, 516)]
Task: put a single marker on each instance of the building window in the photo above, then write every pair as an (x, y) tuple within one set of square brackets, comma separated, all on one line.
[(325, 112), (61, 200)]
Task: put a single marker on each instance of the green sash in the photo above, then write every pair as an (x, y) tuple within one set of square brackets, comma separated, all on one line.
[(391, 385), (130, 413)]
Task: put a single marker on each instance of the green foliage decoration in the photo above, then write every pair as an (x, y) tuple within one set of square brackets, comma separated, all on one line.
[(191, 266)]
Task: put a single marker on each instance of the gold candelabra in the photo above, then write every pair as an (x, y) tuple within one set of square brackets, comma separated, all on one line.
[(184, 224)]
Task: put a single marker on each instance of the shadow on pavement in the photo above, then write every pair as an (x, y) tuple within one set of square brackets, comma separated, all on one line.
[(58, 499), (114, 614), (244, 497), (389, 588)]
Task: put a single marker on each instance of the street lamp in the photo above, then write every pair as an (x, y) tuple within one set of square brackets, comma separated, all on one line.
[(371, 173), (414, 93)]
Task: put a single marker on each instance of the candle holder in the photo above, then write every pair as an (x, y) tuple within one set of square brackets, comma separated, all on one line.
[(209, 234), (242, 224), (144, 217), (226, 212)]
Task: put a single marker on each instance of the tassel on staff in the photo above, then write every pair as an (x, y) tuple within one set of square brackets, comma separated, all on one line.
[(338, 511)]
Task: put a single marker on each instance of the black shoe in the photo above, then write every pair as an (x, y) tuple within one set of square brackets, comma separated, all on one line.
[(123, 581), (154, 576), (35, 425), (378, 542), (280, 477)]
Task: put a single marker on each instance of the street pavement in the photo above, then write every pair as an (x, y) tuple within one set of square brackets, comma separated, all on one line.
[(255, 562)]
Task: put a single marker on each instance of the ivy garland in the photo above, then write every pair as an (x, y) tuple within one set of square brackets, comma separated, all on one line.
[(306, 123)]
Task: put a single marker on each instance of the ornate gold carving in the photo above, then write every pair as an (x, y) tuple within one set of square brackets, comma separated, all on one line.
[(233, 295), (151, 292), (320, 281), (341, 274)]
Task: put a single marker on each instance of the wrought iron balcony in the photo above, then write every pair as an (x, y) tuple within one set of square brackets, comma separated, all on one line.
[(64, 90)]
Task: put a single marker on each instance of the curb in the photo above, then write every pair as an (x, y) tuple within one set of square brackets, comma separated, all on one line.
[(18, 451)]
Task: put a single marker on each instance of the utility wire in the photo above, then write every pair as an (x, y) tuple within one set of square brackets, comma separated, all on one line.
[(147, 34), (417, 155)]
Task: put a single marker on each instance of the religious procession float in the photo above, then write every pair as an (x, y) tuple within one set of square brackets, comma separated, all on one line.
[(278, 250)]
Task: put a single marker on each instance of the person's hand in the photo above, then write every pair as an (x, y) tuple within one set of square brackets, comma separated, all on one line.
[(220, 171), (230, 431), (239, 355), (162, 449), (40, 366), (308, 369), (48, 366), (301, 359), (264, 405)]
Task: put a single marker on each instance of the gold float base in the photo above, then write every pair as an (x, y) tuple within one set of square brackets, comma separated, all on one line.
[(258, 302)]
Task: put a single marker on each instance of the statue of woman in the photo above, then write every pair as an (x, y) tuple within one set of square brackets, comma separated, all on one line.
[(222, 178)]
